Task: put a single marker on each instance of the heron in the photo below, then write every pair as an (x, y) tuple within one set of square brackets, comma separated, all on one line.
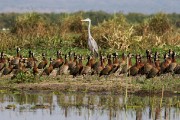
[(91, 42)]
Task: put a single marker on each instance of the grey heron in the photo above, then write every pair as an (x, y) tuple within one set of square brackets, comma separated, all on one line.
[(91, 42)]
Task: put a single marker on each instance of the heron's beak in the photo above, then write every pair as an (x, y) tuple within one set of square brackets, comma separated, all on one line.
[(86, 20), (83, 20)]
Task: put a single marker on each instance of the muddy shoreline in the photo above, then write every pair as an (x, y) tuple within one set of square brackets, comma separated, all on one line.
[(137, 86)]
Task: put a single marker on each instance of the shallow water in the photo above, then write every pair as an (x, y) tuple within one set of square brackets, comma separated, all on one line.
[(81, 106)]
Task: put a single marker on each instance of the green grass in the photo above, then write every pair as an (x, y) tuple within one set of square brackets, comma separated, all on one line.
[(170, 83)]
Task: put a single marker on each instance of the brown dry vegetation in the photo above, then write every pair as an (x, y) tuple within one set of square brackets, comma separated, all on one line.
[(32, 29)]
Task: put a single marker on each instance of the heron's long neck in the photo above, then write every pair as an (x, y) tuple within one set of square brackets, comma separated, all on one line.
[(89, 33)]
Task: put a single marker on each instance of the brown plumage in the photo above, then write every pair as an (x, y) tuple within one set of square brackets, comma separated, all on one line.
[(2, 65), (20, 68), (108, 67), (141, 64), (167, 61), (2, 58), (70, 58), (7, 70), (164, 65), (177, 69), (76, 70), (2, 61), (16, 59), (123, 59), (30, 60), (73, 63), (80, 64), (35, 69), (124, 67), (172, 65), (95, 67), (21, 63), (87, 69), (43, 63), (64, 68), (155, 69), (96, 64), (59, 61), (135, 68), (99, 65), (148, 64), (116, 63), (92, 61), (48, 70), (169, 57)]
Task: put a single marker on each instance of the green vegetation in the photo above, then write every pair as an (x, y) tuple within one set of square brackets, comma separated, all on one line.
[(119, 32), (131, 31)]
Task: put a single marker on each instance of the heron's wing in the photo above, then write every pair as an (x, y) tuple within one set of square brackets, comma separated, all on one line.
[(93, 44)]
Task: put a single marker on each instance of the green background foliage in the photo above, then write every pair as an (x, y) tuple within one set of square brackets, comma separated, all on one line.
[(133, 31)]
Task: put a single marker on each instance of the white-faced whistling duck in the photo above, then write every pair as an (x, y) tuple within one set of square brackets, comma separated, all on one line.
[(177, 69), (48, 70), (43, 63), (96, 64), (107, 69), (20, 68), (35, 69), (167, 62), (80, 64), (99, 65), (16, 59), (173, 63), (8, 69), (59, 61), (20, 63), (169, 58), (123, 59), (164, 65), (92, 60), (2, 61), (116, 63), (58, 53), (30, 60), (141, 64), (155, 70), (135, 68), (2, 58), (2, 65), (64, 68), (73, 63), (124, 67), (76, 70), (148, 64), (70, 58), (87, 69)]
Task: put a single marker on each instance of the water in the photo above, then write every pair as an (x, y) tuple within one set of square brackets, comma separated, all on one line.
[(83, 106)]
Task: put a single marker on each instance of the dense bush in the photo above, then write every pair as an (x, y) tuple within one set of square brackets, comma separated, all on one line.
[(120, 31)]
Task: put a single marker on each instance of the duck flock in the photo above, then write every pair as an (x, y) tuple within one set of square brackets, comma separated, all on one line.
[(104, 65)]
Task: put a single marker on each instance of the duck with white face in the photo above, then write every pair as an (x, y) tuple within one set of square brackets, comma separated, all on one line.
[(15, 60)]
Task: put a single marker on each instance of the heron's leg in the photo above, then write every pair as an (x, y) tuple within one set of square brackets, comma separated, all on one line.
[(92, 53)]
